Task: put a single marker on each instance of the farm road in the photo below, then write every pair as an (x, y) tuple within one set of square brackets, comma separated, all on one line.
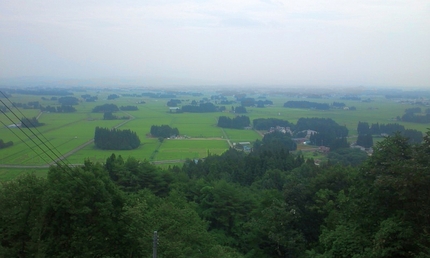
[(90, 141), (226, 137), (70, 152)]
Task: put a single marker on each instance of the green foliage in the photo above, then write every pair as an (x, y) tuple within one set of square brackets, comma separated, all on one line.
[(268, 203), (201, 108), (238, 122), (5, 144), (327, 130), (240, 110), (68, 101), (365, 140), (133, 175), (30, 122), (112, 96), (386, 214), (21, 204), (115, 139), (347, 156), (109, 116), (164, 131), (105, 108), (275, 141), (363, 128)]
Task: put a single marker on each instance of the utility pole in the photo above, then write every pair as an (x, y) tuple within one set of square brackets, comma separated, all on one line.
[(154, 244)]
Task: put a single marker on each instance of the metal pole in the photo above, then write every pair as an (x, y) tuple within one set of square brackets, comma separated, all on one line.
[(154, 245)]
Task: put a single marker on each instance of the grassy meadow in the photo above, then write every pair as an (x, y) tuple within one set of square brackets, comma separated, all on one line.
[(66, 132)]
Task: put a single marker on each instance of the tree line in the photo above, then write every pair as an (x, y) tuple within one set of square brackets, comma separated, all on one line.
[(239, 110), (201, 108), (115, 139), (328, 132), (30, 122), (173, 102), (414, 136), (68, 101), (164, 131), (237, 122), (415, 118), (306, 104), (105, 108), (111, 116)]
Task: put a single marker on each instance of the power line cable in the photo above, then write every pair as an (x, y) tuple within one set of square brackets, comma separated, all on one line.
[(40, 156), (35, 135), (31, 139), (35, 129), (44, 152)]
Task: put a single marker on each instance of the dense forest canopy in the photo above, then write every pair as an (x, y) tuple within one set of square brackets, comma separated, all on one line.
[(201, 108), (113, 96), (68, 101), (237, 122), (105, 108), (30, 122), (275, 141), (239, 110), (173, 102), (269, 203), (115, 139), (413, 136), (164, 131)]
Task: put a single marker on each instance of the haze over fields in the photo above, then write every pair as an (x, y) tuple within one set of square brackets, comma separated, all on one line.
[(186, 42)]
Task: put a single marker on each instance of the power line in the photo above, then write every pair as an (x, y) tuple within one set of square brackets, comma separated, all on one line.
[(31, 139), (44, 152), (34, 126), (40, 156), (35, 135)]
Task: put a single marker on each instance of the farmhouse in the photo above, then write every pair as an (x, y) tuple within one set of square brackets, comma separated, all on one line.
[(324, 149), (281, 129), (309, 133), (245, 146), (174, 109)]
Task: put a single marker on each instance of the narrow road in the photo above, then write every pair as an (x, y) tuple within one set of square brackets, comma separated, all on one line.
[(260, 133), (37, 117), (90, 141), (70, 152), (226, 137)]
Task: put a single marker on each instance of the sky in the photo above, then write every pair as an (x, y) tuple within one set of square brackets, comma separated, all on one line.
[(382, 43)]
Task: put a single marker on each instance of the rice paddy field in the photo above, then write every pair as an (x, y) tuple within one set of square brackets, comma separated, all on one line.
[(71, 134)]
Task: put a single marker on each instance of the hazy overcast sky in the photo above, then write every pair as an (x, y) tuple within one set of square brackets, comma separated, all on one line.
[(266, 42)]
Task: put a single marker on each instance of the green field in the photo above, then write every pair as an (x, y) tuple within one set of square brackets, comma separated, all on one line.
[(65, 132)]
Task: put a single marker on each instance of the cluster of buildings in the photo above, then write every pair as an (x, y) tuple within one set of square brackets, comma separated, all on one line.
[(280, 129)]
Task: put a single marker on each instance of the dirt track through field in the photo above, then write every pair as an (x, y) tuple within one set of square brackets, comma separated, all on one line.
[(63, 157)]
